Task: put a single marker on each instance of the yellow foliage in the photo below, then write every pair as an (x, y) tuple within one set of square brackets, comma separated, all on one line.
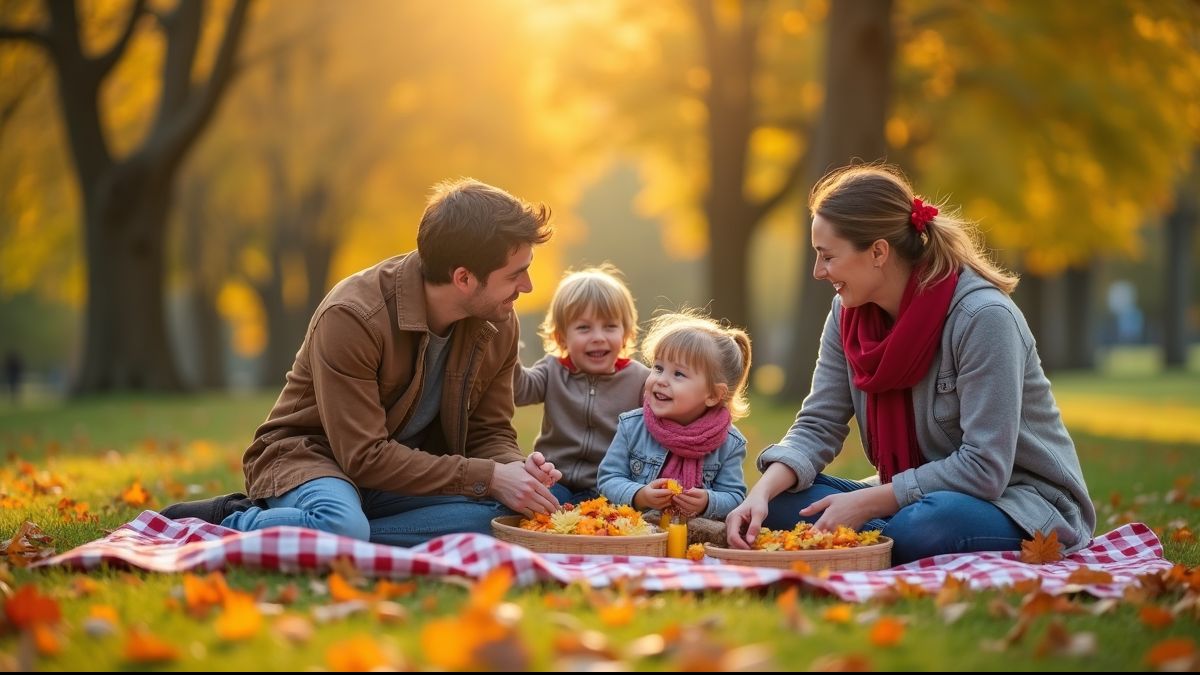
[(241, 307)]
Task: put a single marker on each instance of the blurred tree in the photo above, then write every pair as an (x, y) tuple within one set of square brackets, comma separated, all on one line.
[(1180, 252), (126, 198), (859, 50)]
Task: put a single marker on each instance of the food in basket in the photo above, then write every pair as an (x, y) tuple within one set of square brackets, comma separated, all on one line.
[(594, 517), (803, 537)]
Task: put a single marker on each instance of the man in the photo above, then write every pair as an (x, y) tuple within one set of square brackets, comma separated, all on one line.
[(395, 424)]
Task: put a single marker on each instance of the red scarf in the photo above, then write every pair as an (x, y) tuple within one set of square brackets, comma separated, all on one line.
[(887, 360), (687, 445)]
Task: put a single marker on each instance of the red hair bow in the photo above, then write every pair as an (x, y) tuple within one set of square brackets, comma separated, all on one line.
[(922, 213)]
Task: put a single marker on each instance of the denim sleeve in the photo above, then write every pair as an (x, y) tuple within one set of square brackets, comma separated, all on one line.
[(729, 487), (822, 424), (613, 477)]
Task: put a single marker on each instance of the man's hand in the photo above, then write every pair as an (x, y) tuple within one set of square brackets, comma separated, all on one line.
[(852, 509), (742, 523), (654, 496), (513, 486), (543, 471), (692, 502)]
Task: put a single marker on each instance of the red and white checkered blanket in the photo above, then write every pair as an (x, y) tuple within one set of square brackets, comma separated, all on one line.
[(153, 542)]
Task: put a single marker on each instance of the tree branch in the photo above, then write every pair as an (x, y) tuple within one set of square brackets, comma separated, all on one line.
[(761, 209), (35, 37), (105, 62)]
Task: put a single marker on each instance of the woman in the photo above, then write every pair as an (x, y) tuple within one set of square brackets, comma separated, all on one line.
[(925, 348)]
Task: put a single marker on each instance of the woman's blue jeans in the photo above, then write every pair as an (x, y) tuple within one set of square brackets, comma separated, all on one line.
[(939, 522), (334, 505)]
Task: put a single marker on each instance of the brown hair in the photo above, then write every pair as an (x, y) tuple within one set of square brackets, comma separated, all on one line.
[(474, 225), (598, 290), (722, 353), (868, 202)]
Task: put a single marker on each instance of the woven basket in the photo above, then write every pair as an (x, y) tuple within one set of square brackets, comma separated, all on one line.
[(860, 558), (506, 528)]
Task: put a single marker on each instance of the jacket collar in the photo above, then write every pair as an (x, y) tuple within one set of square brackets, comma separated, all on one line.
[(411, 313)]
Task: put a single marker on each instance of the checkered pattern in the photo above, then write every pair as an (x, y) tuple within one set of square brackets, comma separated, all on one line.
[(153, 542)]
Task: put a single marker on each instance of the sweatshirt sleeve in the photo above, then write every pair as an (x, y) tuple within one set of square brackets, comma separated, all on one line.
[(822, 424), (529, 384)]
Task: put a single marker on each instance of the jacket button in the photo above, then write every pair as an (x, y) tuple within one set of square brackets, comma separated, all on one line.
[(480, 489)]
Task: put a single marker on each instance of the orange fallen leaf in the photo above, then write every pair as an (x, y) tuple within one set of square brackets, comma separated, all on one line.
[(135, 495), (27, 608), (1171, 652), (1155, 616), (28, 545), (1041, 549), (142, 646), (1087, 576), (839, 613), (887, 632), (239, 619), (358, 654)]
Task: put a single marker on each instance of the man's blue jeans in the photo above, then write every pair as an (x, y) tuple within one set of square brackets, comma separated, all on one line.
[(564, 494), (940, 522), (334, 505)]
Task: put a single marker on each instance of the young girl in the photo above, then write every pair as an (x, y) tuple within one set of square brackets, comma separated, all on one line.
[(586, 378), (684, 429)]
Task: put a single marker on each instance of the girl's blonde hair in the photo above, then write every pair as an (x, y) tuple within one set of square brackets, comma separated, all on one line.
[(722, 353), (598, 290), (868, 202)]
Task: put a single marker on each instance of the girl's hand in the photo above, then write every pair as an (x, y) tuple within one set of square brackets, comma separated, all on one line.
[(692, 502), (746, 518), (852, 509), (537, 466), (654, 496)]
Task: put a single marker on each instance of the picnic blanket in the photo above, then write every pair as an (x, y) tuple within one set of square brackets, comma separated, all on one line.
[(156, 543)]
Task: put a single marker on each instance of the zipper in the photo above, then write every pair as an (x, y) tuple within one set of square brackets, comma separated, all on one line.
[(462, 426)]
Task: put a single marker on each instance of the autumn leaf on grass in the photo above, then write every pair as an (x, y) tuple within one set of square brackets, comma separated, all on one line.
[(839, 613), (200, 594), (887, 632), (1059, 641), (28, 608), (135, 495), (1041, 549), (1174, 654), (793, 616), (341, 590), (1086, 576), (240, 618), (358, 654), (953, 589), (142, 646), (1155, 616), (28, 545)]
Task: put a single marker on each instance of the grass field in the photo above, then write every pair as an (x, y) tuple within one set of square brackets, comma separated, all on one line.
[(78, 469)]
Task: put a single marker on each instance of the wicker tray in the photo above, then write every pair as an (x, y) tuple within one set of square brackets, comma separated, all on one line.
[(506, 528), (860, 558)]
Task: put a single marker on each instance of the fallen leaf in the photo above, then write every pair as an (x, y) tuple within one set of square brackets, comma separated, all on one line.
[(1041, 549), (1087, 576), (1173, 654), (239, 619), (28, 608), (1155, 617), (295, 629), (27, 546), (849, 663), (358, 654), (141, 646), (887, 632), (839, 613), (135, 495)]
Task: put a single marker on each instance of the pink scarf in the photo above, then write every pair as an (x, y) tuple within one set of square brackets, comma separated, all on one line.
[(888, 359), (688, 445)]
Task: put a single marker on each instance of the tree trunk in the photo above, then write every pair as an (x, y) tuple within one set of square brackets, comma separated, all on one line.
[(127, 346), (1180, 242), (202, 292), (858, 81), (1079, 318)]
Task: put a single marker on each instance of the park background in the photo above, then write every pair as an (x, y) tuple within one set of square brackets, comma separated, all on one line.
[(183, 181)]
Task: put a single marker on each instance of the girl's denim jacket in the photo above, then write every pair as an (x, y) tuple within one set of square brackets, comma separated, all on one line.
[(635, 458)]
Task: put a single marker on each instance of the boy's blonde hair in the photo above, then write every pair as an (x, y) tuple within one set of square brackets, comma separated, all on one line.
[(722, 353), (599, 290)]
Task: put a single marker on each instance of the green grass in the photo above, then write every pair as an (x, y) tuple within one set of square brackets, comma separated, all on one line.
[(90, 451)]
